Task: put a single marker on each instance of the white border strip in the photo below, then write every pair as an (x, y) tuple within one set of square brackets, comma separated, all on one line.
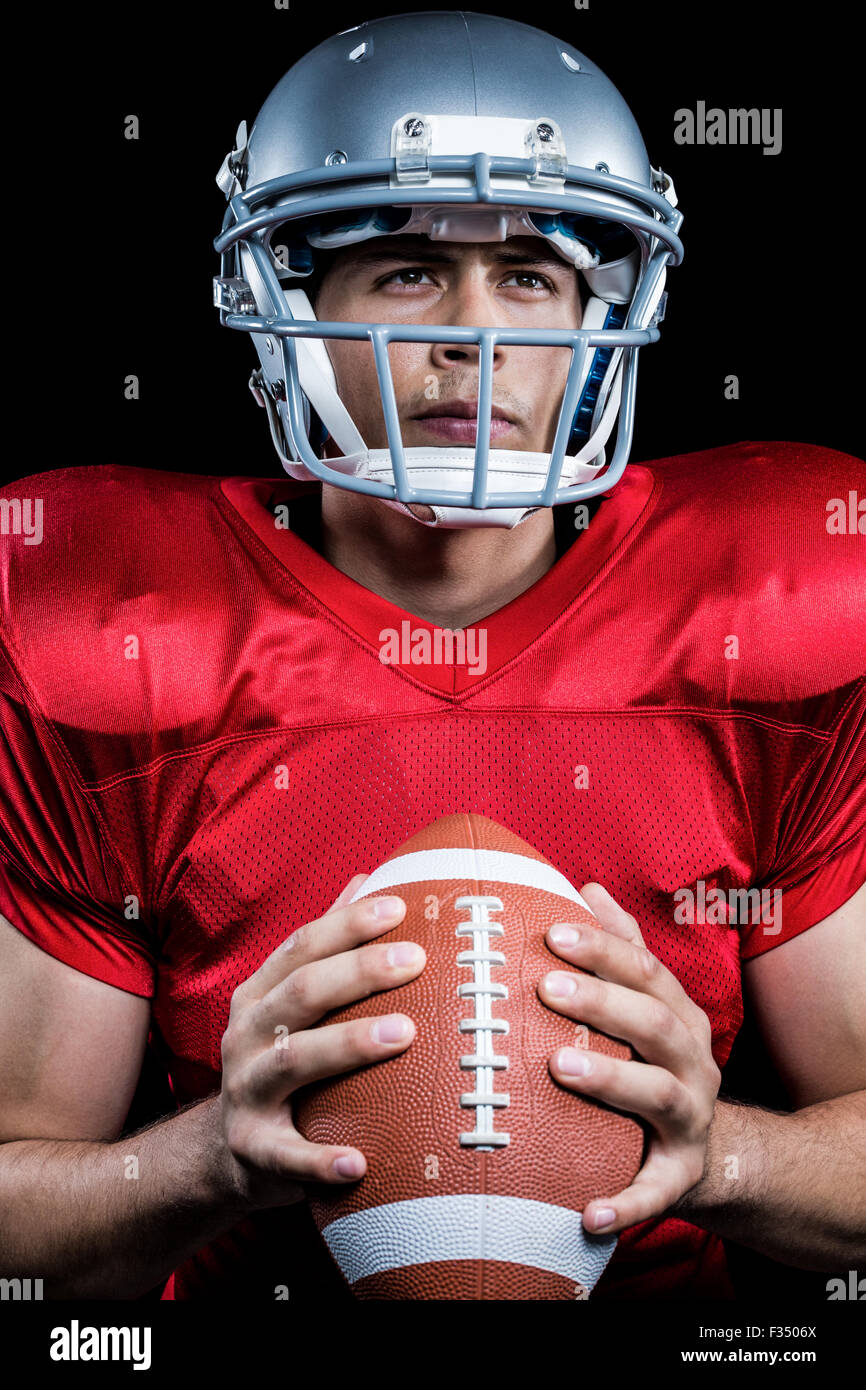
[(468, 1226), (490, 865)]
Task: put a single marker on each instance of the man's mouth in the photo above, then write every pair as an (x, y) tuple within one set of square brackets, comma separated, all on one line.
[(457, 421)]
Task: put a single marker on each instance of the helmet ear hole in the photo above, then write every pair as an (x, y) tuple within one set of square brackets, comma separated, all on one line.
[(322, 263), (317, 433), (584, 293), (600, 369)]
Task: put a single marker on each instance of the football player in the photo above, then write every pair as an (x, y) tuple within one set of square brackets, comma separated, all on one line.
[(448, 245)]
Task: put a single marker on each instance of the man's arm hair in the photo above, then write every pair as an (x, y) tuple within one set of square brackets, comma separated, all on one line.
[(113, 1220)]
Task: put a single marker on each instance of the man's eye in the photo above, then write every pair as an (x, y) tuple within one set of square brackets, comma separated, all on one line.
[(417, 275), (540, 280), (412, 274)]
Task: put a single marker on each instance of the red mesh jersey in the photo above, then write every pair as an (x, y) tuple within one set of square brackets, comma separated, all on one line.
[(196, 720)]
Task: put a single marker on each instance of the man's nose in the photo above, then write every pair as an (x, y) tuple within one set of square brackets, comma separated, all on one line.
[(468, 306)]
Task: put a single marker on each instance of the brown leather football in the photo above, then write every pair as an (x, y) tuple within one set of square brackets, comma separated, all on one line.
[(478, 1162)]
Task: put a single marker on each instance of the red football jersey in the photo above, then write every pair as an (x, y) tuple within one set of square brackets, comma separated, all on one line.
[(207, 729)]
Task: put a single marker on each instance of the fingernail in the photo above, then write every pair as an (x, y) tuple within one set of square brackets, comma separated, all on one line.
[(573, 1062), (403, 953), (389, 1029), (383, 908), (605, 1216), (564, 936), (348, 1166), (560, 985)]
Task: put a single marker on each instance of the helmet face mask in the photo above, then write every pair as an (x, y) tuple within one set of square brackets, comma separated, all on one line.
[(521, 281), (451, 165)]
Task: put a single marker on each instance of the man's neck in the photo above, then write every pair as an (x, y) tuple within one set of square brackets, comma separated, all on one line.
[(451, 578)]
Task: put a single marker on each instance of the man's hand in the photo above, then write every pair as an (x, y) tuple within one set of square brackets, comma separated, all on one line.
[(630, 995), (271, 1047)]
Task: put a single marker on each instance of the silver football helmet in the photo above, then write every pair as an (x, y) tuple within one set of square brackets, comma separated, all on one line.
[(463, 127)]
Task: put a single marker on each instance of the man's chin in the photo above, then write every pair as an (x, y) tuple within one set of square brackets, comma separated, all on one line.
[(419, 510)]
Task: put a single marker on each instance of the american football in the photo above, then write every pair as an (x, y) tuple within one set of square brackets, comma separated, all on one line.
[(478, 1162)]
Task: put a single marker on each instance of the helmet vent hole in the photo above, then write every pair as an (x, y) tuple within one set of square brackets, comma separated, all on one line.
[(360, 52), (571, 63)]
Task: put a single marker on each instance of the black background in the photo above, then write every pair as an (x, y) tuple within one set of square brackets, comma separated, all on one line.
[(770, 288)]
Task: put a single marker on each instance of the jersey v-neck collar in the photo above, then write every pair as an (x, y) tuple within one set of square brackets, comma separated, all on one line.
[(508, 634)]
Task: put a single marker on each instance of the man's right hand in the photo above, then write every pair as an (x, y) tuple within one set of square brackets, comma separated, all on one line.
[(271, 1047)]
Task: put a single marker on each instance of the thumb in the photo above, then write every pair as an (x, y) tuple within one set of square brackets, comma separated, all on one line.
[(350, 889)]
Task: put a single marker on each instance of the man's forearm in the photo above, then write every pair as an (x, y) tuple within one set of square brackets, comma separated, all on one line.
[(792, 1186), (97, 1220)]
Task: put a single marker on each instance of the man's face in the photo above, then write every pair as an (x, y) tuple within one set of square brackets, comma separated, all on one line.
[(518, 283)]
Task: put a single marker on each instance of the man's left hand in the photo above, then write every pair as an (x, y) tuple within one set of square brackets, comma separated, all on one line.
[(630, 995)]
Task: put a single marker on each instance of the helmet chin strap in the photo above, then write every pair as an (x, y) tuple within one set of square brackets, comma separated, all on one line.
[(376, 463), (462, 518), (448, 469)]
